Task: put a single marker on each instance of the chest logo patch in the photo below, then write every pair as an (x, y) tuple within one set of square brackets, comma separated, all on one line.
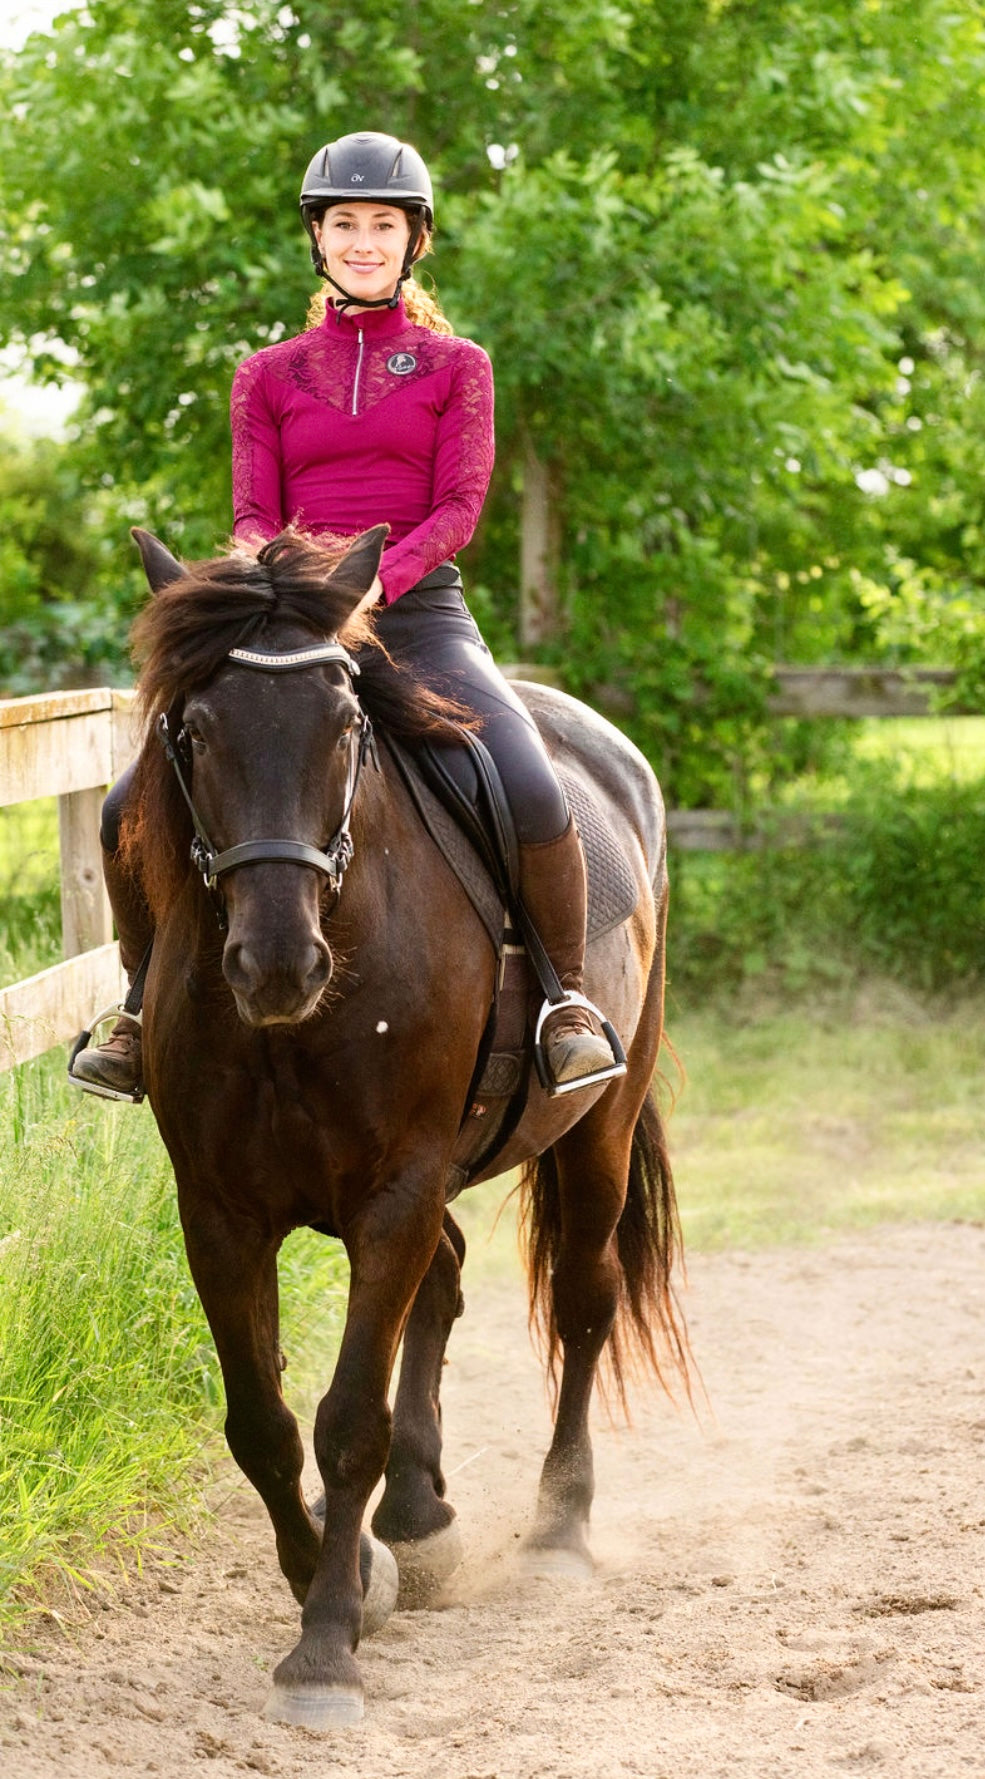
[(401, 364)]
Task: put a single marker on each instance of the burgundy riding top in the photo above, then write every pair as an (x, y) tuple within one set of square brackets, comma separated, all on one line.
[(362, 419)]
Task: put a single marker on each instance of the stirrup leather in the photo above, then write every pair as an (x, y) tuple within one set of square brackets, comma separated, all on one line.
[(554, 1088), (119, 1011)]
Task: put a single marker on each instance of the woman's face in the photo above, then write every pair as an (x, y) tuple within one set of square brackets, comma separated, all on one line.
[(363, 246)]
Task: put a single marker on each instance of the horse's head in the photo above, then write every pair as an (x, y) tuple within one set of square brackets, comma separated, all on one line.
[(266, 733)]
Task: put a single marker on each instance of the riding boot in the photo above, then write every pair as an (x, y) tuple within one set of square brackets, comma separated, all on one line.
[(554, 893), (114, 1068)]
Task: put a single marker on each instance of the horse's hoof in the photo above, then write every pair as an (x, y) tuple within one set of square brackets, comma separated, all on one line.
[(315, 1707), (556, 1563), (382, 1585), (426, 1564)]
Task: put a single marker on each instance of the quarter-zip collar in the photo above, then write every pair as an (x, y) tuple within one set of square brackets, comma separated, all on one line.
[(372, 324), (368, 328)]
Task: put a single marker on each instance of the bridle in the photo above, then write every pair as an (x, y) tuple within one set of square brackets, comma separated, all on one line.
[(331, 860)]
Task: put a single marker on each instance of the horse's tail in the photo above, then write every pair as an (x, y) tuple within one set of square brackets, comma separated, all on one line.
[(648, 1336)]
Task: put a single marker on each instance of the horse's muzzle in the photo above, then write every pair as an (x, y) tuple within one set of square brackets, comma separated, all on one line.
[(277, 990)]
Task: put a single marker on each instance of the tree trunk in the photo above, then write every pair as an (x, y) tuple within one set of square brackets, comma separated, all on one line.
[(540, 553)]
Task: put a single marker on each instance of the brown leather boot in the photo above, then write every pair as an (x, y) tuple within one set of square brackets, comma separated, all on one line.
[(554, 893), (114, 1069)]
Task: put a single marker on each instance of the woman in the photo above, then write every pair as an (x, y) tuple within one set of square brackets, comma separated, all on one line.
[(379, 412)]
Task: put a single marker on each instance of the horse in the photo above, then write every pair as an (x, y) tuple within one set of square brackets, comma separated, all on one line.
[(308, 1057)]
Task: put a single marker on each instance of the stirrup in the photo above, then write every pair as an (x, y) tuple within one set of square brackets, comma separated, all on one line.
[(119, 1011), (554, 1088)]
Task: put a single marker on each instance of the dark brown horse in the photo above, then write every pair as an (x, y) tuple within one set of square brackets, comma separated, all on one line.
[(309, 1060)]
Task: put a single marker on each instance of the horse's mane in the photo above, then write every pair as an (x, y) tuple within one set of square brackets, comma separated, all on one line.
[(184, 634)]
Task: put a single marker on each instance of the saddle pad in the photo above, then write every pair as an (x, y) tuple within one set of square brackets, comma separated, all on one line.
[(612, 893)]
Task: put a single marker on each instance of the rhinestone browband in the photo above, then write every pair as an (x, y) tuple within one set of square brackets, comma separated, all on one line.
[(325, 651)]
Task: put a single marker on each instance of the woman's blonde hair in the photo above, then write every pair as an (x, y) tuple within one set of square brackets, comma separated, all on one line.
[(423, 309)]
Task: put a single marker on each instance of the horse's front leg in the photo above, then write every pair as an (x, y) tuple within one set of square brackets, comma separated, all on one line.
[(413, 1515), (390, 1246), (234, 1266)]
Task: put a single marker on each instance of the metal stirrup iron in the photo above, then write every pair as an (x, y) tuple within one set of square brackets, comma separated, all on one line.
[(555, 1088), (556, 997), (130, 1008)]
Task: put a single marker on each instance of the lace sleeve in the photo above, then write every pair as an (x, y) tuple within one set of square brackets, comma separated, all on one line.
[(257, 511), (463, 464)]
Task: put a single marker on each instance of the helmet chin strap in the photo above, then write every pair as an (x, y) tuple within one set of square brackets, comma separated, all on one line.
[(390, 302)]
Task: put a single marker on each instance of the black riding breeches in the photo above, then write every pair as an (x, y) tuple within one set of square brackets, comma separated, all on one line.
[(114, 806), (431, 631)]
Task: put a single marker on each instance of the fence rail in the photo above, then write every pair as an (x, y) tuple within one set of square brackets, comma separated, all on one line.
[(71, 745), (68, 745), (861, 692)]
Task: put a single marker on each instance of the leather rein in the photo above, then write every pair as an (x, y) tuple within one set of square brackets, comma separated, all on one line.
[(331, 860)]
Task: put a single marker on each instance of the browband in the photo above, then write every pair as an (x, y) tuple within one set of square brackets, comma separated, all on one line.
[(321, 651)]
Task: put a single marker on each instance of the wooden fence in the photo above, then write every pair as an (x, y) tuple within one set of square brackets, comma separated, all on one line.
[(68, 745), (802, 692), (71, 745)]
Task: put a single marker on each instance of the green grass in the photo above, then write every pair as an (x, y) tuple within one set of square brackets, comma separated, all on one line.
[(934, 747), (30, 914), (28, 847), (797, 1124), (110, 1398)]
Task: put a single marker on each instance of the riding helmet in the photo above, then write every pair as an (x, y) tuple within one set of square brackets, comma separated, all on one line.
[(367, 166)]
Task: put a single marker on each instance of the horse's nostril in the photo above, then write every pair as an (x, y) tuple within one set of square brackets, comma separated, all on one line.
[(320, 967), (238, 966)]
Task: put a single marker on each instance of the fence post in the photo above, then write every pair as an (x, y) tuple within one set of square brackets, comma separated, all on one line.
[(86, 918)]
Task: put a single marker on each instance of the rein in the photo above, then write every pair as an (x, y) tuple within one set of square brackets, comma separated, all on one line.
[(333, 859)]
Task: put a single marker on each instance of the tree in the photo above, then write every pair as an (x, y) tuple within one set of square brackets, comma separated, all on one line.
[(59, 616), (703, 241)]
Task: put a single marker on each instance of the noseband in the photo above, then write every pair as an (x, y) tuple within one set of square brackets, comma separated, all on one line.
[(330, 860)]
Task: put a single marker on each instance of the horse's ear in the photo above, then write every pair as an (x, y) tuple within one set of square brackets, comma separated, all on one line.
[(160, 567), (361, 562)]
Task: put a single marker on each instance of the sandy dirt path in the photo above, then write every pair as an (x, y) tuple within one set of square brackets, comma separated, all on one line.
[(794, 1586)]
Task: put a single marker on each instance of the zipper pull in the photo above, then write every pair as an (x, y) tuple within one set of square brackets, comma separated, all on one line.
[(359, 366)]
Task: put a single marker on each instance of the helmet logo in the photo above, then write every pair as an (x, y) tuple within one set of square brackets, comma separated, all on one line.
[(401, 364), (358, 179)]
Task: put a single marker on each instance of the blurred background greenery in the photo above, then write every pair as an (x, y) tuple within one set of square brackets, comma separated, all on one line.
[(728, 260)]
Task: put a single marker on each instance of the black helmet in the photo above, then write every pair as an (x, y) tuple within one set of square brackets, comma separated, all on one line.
[(367, 167)]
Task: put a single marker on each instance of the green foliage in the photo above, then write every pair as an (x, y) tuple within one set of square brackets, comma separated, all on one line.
[(60, 601), (30, 915), (892, 886), (727, 258)]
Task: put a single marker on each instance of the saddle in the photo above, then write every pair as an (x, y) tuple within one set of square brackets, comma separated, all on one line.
[(460, 799)]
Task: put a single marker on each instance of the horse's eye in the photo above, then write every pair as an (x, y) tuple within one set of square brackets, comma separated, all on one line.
[(196, 739), (344, 739)]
